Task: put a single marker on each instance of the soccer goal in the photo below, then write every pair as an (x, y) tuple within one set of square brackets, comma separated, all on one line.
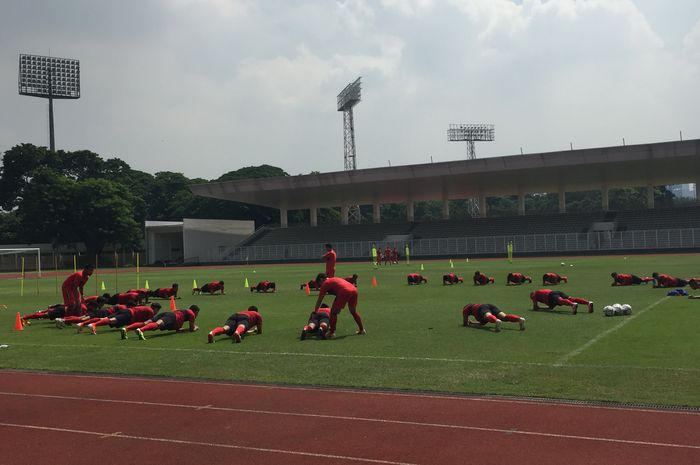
[(21, 260)]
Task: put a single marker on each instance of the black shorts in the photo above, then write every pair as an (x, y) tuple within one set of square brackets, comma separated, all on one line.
[(100, 313), (169, 320), (122, 318), (682, 282), (554, 297), (56, 312), (204, 288), (483, 310), (318, 319), (234, 321), (636, 279)]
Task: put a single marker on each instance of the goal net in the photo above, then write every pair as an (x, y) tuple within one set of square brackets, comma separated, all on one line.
[(27, 260)]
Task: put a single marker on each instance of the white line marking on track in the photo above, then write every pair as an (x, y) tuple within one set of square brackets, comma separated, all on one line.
[(208, 444), (510, 431), (600, 336), (365, 392)]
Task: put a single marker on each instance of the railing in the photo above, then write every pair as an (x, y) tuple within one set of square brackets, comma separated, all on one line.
[(478, 246)]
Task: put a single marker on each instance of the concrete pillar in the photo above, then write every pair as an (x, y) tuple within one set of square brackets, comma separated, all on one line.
[(562, 201), (344, 214), (521, 204), (650, 196), (313, 216), (376, 212), (482, 206), (445, 208), (410, 214), (283, 218), (605, 196)]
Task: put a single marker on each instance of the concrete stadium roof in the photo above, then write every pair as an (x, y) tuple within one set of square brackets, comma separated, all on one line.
[(569, 171)]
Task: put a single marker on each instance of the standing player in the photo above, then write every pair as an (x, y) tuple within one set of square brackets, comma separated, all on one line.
[(124, 316), (553, 278), (211, 288), (387, 255), (263, 286), (345, 293), (622, 279), (480, 279), (451, 278), (489, 313), (330, 257), (664, 280), (238, 324), (165, 321), (73, 290), (318, 320), (514, 279), (415, 278), (554, 298)]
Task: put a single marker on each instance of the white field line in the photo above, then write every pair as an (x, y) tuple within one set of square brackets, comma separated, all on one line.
[(362, 419), (600, 336)]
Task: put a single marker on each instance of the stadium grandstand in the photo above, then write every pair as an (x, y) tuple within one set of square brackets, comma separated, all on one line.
[(597, 169)]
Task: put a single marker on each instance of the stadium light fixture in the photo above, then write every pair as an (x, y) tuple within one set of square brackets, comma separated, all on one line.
[(470, 133), (50, 78), (347, 99)]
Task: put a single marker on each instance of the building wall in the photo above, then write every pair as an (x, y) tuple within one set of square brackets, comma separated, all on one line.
[(206, 240)]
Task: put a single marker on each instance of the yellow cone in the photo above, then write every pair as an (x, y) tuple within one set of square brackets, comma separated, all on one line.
[(452, 265), (147, 285), (246, 283), (421, 267), (102, 286), (194, 284)]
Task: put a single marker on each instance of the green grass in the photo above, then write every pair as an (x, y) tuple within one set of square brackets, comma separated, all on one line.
[(415, 340)]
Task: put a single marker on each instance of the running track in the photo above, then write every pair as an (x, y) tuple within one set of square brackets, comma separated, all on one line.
[(84, 419)]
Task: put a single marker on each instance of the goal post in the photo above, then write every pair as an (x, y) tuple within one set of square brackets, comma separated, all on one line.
[(11, 260)]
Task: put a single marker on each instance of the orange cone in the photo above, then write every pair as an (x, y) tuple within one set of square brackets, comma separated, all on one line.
[(18, 323), (172, 303), (374, 281), (307, 289)]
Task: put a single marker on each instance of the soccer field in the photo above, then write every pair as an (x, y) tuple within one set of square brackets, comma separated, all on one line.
[(415, 339)]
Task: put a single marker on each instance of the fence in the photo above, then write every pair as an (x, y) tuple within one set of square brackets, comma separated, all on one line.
[(65, 260), (476, 246)]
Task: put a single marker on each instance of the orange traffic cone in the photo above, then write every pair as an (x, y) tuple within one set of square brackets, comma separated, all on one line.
[(307, 289), (374, 281), (172, 303), (18, 323)]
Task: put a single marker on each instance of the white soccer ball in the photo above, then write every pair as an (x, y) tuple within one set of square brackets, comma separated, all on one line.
[(626, 309), (608, 310), (563, 264)]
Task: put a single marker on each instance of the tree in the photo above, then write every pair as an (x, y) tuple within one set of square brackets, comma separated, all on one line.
[(18, 166)]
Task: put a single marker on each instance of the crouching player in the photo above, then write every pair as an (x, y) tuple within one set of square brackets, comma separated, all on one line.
[(489, 313), (318, 321), (451, 278), (480, 279), (211, 288), (553, 278), (124, 316), (263, 286), (664, 280), (239, 324), (345, 293), (622, 279), (555, 298), (515, 279), (165, 321), (415, 278)]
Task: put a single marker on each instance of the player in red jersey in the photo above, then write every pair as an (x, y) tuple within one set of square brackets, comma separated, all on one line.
[(351, 279), (554, 298), (553, 278), (387, 255), (126, 298), (451, 278), (72, 289), (622, 279), (330, 258), (489, 313), (165, 321), (124, 316), (313, 285), (318, 322), (264, 286), (480, 279), (415, 278), (92, 314), (664, 280), (51, 313), (100, 300), (211, 288), (345, 293), (164, 292), (514, 279), (239, 324)]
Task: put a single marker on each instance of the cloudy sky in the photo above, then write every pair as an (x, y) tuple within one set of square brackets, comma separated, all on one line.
[(204, 87)]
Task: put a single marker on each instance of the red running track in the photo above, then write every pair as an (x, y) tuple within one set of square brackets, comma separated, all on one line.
[(83, 419)]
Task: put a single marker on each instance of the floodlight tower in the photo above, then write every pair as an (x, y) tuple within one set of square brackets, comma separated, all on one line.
[(50, 78), (347, 99), (471, 133)]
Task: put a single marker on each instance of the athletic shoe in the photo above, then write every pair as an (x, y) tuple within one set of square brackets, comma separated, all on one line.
[(329, 335), (210, 338), (236, 337), (303, 334), (361, 332), (522, 324), (93, 328), (26, 322), (60, 323), (590, 307), (574, 309), (139, 333), (80, 327), (123, 333), (498, 326)]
